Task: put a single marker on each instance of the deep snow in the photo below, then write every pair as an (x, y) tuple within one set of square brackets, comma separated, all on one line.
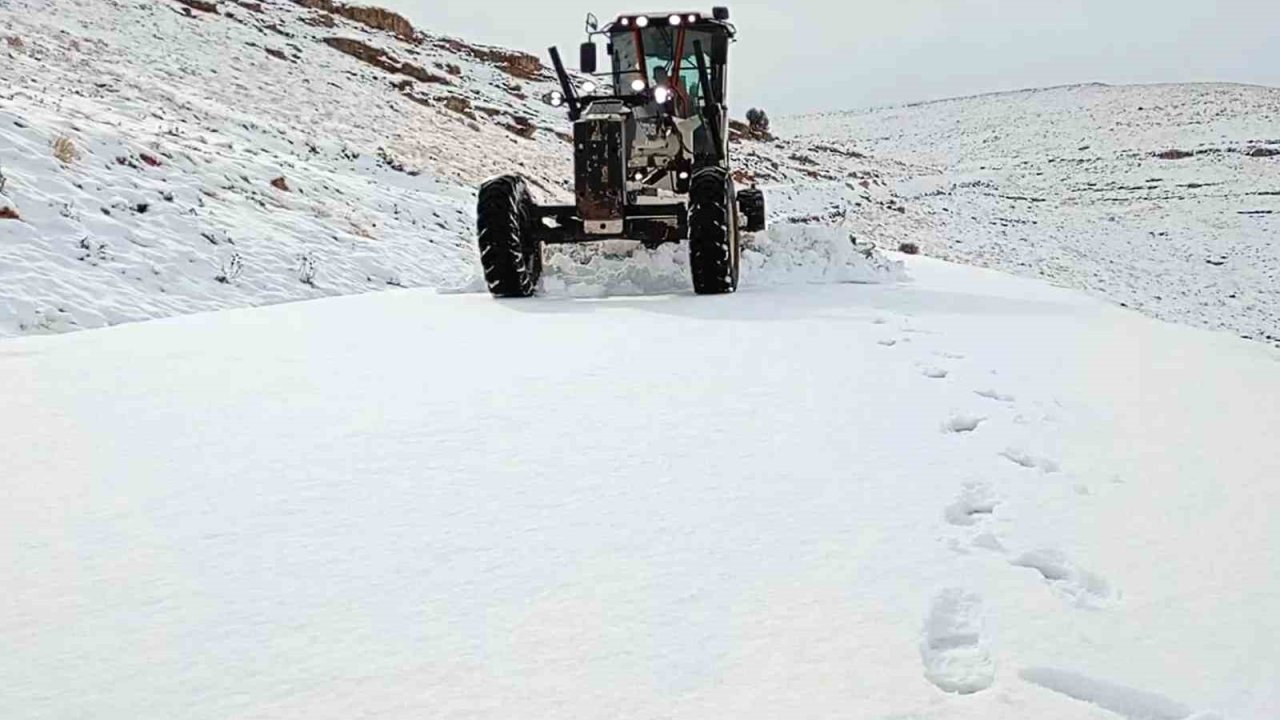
[(969, 496)]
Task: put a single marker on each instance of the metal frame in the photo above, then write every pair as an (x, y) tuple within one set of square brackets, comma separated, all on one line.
[(653, 224)]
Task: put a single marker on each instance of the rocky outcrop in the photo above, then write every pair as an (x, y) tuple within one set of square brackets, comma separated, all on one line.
[(380, 59), (201, 5), (374, 17), (515, 64)]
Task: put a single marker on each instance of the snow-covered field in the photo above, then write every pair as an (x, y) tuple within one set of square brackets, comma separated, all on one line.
[(970, 496), (1164, 198)]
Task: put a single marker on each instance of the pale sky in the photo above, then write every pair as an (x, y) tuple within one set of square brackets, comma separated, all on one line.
[(814, 55)]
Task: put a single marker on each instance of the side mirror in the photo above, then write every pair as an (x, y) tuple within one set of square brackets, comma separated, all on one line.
[(719, 49), (587, 57), (720, 13), (593, 24)]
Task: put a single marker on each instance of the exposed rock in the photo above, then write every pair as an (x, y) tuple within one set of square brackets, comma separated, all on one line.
[(280, 184), (321, 19), (373, 17), (522, 127), (1262, 152), (1174, 155), (8, 213), (739, 131), (201, 5), (516, 64), (380, 59), (460, 105)]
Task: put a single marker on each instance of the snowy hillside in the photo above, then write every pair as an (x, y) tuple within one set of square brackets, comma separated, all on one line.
[(966, 497), (1163, 198), (163, 157)]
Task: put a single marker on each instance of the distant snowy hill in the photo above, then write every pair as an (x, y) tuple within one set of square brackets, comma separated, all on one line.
[(1162, 198)]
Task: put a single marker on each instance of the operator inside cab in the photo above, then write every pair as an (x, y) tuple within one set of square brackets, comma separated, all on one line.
[(662, 61)]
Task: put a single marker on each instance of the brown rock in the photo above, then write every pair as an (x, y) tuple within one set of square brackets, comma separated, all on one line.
[(460, 105), (381, 60), (515, 64), (372, 17), (8, 213), (280, 184), (201, 5)]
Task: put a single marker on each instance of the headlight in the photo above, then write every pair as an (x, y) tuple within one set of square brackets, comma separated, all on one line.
[(661, 94), (642, 21), (675, 20), (556, 98), (588, 87), (637, 85)]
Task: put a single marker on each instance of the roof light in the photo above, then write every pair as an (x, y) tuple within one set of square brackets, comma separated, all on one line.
[(675, 19), (642, 21), (661, 95), (691, 18), (588, 87), (637, 84), (624, 22)]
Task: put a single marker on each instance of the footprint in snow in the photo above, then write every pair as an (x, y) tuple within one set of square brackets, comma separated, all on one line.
[(1027, 460), (987, 541), (887, 342), (976, 501), (993, 395), (936, 373), (1077, 586), (962, 423), (955, 655)]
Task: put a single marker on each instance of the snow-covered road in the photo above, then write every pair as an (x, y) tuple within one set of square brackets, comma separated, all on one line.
[(968, 496)]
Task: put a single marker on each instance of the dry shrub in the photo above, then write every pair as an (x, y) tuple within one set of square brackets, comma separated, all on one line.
[(909, 248), (64, 149), (15, 42)]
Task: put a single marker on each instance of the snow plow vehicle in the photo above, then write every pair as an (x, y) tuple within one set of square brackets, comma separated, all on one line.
[(651, 156)]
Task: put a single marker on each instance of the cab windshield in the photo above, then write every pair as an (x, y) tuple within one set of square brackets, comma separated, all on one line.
[(661, 55)]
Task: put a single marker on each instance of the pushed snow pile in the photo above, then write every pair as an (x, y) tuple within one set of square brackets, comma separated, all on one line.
[(782, 255)]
